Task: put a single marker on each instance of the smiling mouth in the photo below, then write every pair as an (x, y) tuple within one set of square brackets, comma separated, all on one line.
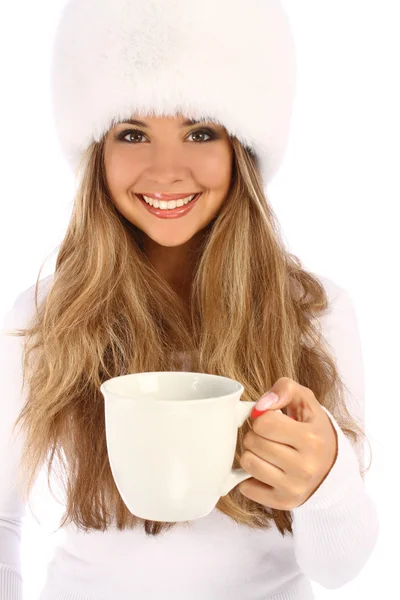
[(192, 197), (169, 198)]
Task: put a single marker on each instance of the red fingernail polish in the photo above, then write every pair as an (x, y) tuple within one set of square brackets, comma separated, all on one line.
[(256, 413)]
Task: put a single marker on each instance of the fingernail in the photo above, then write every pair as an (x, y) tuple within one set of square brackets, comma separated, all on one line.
[(267, 401)]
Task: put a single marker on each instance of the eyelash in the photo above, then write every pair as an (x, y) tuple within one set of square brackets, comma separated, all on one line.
[(212, 134)]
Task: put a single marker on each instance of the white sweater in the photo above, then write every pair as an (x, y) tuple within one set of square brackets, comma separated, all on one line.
[(334, 532)]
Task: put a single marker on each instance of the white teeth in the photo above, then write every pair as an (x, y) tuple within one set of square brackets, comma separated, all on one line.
[(168, 205)]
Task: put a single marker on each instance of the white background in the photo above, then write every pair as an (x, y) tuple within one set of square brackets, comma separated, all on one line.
[(337, 197)]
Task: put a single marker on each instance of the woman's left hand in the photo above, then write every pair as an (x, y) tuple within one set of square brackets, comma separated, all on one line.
[(288, 456)]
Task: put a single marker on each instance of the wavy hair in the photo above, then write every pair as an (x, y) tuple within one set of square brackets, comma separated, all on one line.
[(252, 317)]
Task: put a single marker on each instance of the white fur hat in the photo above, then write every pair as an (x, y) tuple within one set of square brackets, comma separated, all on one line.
[(229, 60)]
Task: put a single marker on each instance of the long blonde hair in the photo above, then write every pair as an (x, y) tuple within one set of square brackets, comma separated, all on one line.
[(109, 313)]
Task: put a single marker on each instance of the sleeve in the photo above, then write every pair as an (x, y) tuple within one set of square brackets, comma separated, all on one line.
[(335, 531), (12, 509)]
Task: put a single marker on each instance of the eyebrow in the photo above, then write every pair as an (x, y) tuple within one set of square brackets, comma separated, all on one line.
[(186, 123)]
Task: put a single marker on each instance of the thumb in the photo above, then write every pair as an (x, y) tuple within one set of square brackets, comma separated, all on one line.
[(297, 401), (284, 394), (268, 400)]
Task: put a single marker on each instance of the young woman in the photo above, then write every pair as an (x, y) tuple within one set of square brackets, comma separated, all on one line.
[(156, 100)]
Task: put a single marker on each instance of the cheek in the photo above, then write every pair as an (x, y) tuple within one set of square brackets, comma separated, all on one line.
[(120, 171), (216, 171)]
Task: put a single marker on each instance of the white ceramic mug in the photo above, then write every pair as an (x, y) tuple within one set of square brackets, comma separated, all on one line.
[(171, 441)]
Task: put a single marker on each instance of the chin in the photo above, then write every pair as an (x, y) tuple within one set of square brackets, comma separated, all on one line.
[(169, 241)]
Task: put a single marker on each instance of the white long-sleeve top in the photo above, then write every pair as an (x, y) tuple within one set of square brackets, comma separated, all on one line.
[(334, 532)]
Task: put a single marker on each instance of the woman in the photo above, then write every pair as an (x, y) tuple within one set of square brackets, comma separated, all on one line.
[(190, 99)]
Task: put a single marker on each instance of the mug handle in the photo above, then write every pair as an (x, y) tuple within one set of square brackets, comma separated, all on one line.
[(236, 476)]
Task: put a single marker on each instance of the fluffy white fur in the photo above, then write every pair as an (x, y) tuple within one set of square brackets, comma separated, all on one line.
[(231, 60)]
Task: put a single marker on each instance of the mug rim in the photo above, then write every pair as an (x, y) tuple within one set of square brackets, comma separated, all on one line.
[(235, 384)]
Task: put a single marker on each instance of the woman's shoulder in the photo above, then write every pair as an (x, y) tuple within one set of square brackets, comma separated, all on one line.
[(24, 306), (339, 321), (332, 288)]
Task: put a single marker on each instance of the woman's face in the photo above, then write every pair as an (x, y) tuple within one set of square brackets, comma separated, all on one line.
[(165, 155)]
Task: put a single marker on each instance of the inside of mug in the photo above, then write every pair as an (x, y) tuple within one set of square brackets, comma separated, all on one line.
[(172, 385)]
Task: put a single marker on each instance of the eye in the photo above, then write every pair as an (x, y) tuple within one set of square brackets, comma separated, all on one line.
[(122, 136), (208, 132), (131, 132)]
